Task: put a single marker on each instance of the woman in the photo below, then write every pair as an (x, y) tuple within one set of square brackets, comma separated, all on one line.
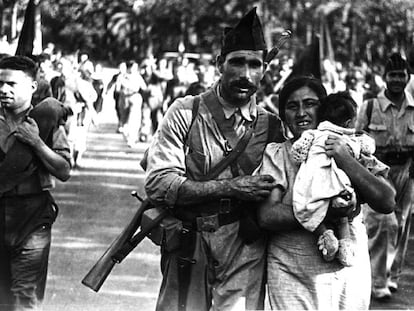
[(298, 277)]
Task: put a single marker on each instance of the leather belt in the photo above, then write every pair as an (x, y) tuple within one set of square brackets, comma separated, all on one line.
[(220, 206), (210, 216), (211, 223)]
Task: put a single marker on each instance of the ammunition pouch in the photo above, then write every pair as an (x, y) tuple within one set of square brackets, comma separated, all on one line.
[(167, 233)]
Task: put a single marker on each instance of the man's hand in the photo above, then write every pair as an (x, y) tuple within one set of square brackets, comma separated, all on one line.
[(253, 188), (28, 132)]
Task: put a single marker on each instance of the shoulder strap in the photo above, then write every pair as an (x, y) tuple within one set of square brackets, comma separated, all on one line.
[(370, 105), (194, 112)]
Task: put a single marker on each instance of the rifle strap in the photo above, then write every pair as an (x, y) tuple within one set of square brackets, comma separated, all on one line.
[(194, 112)]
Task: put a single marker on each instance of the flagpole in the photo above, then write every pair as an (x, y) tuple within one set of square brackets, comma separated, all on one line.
[(37, 42)]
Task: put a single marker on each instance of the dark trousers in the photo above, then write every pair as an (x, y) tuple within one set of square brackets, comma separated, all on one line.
[(25, 239), (227, 274)]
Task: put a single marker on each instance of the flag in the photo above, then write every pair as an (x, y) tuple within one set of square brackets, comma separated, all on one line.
[(27, 34), (308, 62)]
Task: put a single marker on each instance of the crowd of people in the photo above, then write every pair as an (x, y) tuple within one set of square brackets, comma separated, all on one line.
[(293, 187)]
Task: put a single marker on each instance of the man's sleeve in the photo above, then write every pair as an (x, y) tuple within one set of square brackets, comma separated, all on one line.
[(60, 143), (276, 130), (166, 169)]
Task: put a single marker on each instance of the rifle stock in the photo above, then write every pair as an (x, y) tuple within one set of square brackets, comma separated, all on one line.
[(100, 271)]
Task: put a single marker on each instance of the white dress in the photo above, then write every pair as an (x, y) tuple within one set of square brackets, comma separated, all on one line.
[(298, 277)]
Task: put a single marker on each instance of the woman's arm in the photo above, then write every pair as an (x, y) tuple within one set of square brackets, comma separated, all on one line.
[(374, 190), (274, 215)]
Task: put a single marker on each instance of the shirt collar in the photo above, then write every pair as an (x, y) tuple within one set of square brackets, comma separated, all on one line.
[(385, 103), (248, 110), (21, 114)]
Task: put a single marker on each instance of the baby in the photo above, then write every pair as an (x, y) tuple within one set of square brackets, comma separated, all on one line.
[(320, 183)]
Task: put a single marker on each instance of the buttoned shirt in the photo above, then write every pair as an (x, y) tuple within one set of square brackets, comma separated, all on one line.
[(391, 127), (59, 143), (242, 115), (166, 162)]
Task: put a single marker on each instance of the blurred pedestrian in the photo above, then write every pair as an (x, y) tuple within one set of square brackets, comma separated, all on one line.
[(27, 210), (119, 100), (98, 85), (131, 84), (389, 119)]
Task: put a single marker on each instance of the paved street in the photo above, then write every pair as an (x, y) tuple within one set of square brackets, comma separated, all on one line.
[(95, 204)]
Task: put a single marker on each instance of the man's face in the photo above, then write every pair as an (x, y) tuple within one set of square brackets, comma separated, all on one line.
[(241, 72), (396, 80), (16, 90)]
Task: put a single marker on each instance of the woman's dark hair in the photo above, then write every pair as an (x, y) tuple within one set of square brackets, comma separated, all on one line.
[(337, 108), (295, 84)]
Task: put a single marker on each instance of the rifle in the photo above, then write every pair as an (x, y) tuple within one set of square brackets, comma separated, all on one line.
[(285, 36), (125, 242)]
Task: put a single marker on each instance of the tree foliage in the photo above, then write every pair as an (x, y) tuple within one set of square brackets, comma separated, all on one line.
[(123, 29)]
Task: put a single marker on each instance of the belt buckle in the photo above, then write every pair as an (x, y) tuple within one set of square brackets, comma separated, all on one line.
[(225, 206), (208, 223)]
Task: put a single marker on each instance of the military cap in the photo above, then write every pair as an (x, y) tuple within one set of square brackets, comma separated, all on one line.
[(246, 35), (395, 62)]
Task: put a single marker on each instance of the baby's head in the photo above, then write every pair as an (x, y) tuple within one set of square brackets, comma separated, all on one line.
[(338, 108)]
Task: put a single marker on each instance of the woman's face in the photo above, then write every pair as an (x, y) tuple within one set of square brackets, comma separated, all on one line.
[(301, 111)]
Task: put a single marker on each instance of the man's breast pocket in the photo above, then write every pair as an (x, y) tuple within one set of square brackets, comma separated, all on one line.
[(196, 163), (379, 132)]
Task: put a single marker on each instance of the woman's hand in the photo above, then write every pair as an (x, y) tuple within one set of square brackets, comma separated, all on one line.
[(373, 190), (338, 148), (342, 205)]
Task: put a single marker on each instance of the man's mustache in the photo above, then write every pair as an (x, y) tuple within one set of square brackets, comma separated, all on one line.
[(243, 84)]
